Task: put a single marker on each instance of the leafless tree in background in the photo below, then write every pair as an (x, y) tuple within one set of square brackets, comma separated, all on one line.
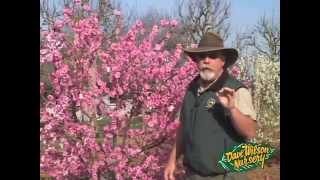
[(51, 10), (130, 16), (242, 42), (263, 39), (153, 16), (267, 38), (201, 16), (48, 13)]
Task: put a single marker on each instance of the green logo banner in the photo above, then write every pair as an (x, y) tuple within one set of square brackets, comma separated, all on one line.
[(246, 156)]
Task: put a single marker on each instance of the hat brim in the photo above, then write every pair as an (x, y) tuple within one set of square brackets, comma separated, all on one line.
[(230, 53)]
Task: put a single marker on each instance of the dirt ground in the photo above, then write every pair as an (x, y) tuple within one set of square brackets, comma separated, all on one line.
[(271, 171), (267, 173)]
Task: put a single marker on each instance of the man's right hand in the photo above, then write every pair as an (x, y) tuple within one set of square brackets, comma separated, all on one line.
[(169, 171)]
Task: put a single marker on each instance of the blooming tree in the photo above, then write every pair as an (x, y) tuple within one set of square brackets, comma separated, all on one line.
[(267, 99), (262, 76), (136, 72)]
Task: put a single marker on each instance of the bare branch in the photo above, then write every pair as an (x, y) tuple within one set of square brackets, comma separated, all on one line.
[(199, 17)]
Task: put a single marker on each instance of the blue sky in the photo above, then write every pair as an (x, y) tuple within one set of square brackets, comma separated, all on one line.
[(244, 13)]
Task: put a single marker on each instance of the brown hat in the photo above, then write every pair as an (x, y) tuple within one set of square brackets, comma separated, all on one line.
[(212, 42)]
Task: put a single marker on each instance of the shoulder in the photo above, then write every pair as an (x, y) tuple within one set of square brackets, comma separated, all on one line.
[(190, 90), (193, 85), (243, 95), (243, 102), (243, 91), (234, 83)]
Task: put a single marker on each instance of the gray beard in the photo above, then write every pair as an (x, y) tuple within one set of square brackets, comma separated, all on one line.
[(207, 75)]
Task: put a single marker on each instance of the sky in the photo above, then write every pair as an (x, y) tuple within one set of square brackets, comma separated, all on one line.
[(244, 13)]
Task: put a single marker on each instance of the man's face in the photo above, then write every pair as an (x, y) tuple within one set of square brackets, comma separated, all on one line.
[(210, 65)]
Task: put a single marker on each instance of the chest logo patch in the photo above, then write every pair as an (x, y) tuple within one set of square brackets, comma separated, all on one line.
[(210, 103)]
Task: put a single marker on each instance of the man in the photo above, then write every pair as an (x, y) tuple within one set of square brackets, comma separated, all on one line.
[(217, 113)]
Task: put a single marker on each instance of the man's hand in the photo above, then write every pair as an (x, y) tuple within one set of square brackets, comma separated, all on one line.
[(226, 97), (174, 155), (169, 171)]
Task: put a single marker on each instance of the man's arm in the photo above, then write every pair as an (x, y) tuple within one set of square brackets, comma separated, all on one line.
[(240, 108), (243, 114), (244, 124), (174, 155), (177, 147)]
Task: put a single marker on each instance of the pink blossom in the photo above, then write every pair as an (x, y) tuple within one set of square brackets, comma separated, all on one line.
[(44, 51), (42, 87), (77, 2), (133, 152), (115, 46), (145, 86), (58, 24), (164, 22), (168, 35), (50, 98), (170, 108), (67, 12), (81, 96), (235, 71), (116, 12), (174, 23), (155, 30), (117, 31), (194, 45), (157, 47), (139, 23), (120, 91), (86, 7), (117, 75), (178, 46)]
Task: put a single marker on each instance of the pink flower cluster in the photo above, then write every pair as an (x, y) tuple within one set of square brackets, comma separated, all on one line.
[(145, 82)]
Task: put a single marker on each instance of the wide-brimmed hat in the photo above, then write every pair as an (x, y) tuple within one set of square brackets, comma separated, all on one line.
[(211, 42)]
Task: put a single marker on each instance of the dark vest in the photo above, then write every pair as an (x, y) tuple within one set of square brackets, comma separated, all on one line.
[(207, 132)]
